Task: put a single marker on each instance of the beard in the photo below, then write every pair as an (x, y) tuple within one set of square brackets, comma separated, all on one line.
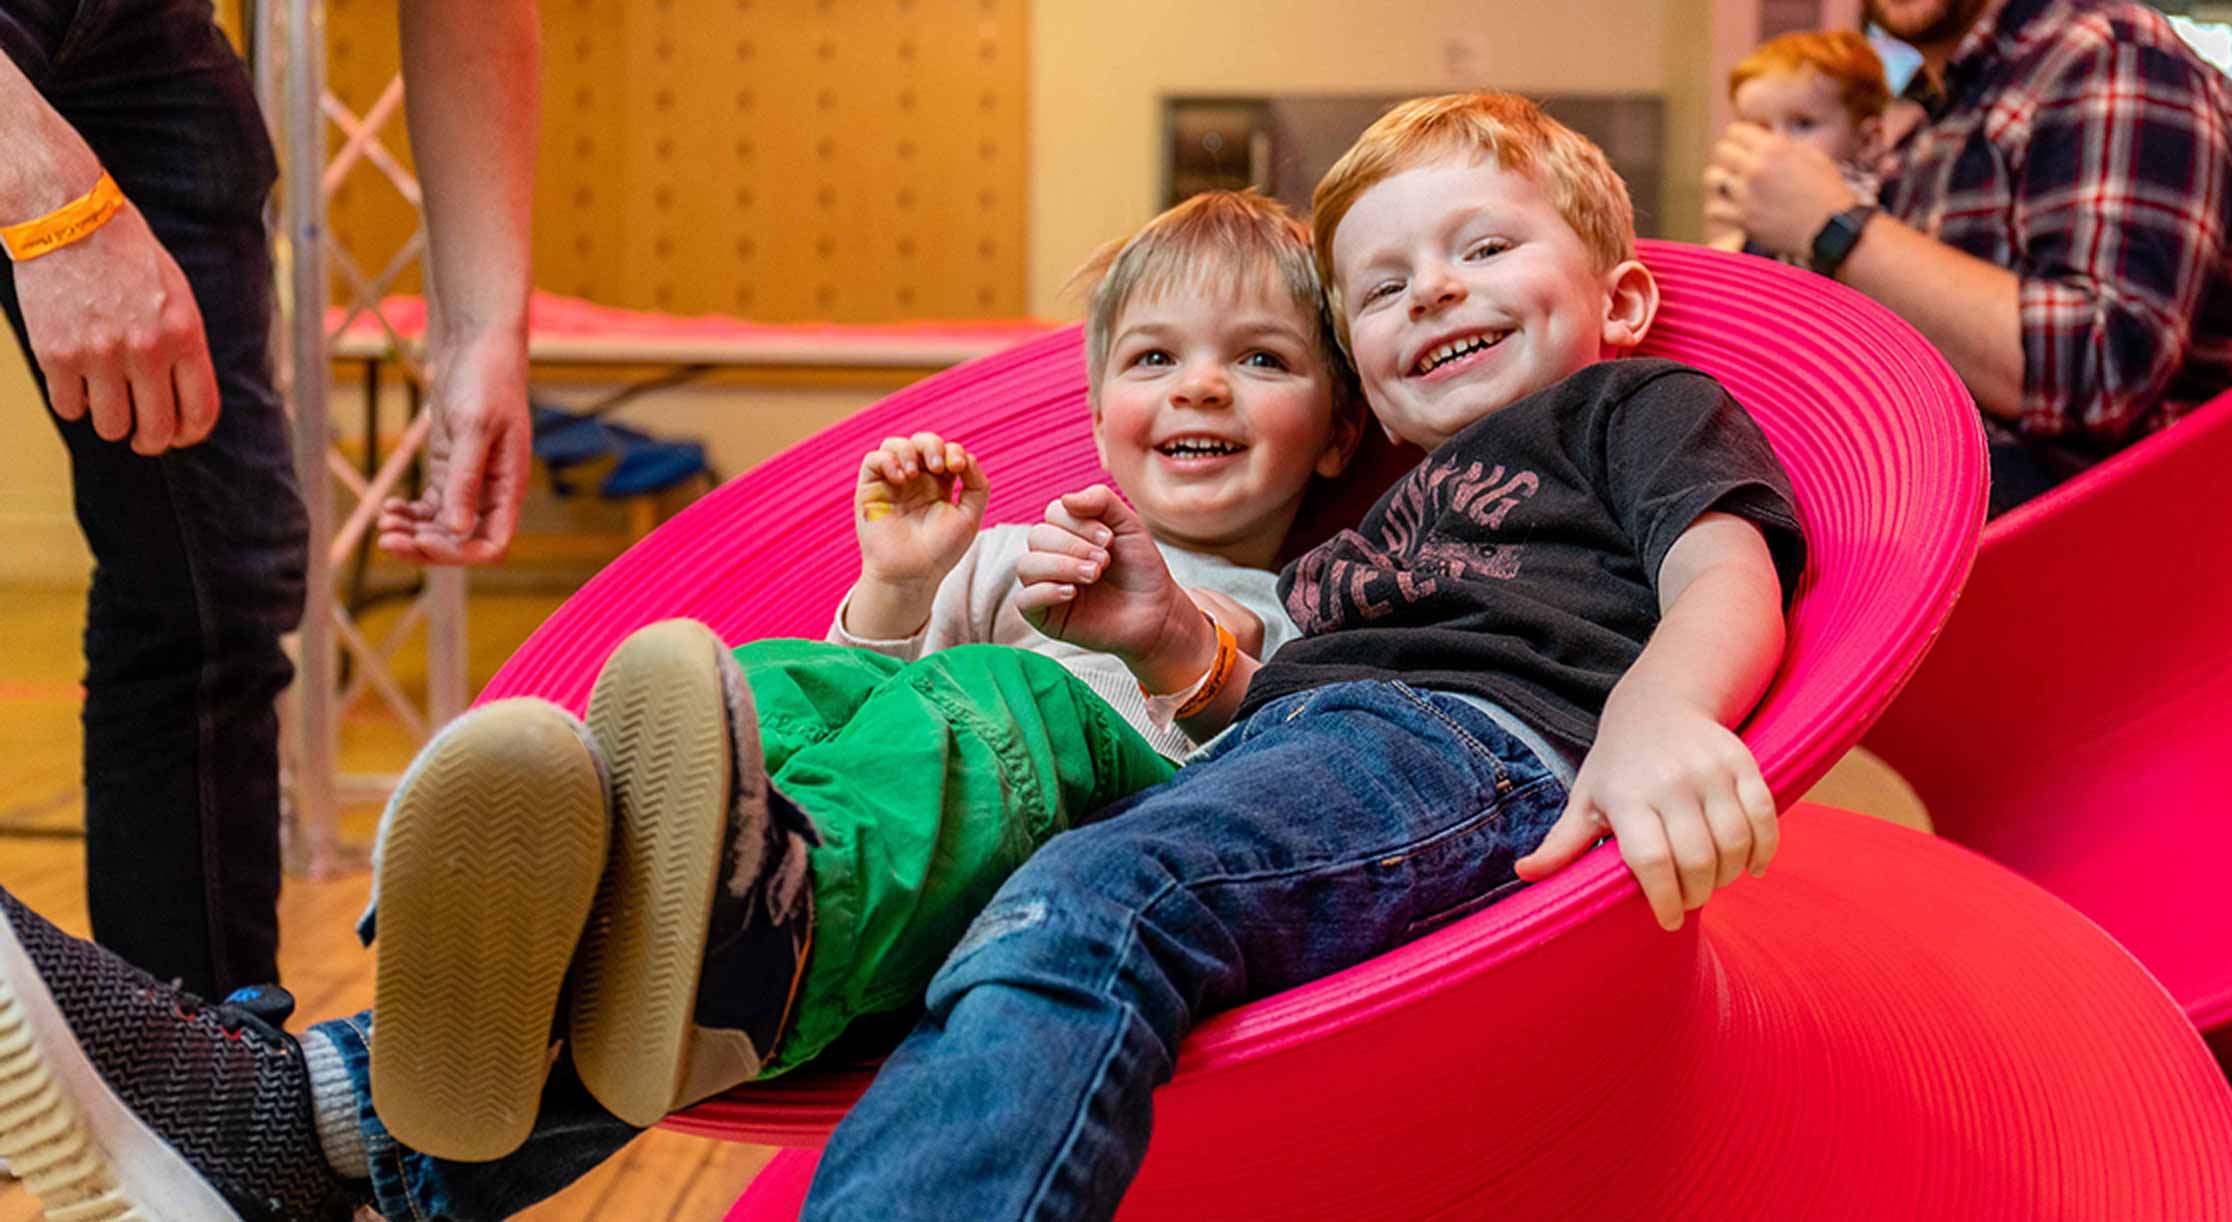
[(1943, 22)]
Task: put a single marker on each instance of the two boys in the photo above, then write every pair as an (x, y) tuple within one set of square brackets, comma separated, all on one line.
[(1590, 566)]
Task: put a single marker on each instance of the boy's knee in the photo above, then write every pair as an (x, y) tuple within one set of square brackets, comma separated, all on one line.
[(1068, 923)]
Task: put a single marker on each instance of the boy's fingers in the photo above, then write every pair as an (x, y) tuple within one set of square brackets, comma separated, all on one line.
[(1696, 859), (1643, 846), (1037, 595), (1759, 810), (1057, 567), (956, 458), (1081, 512), (1088, 502), (976, 490), (1048, 537), (929, 450), (901, 454), (1732, 835), (1567, 840)]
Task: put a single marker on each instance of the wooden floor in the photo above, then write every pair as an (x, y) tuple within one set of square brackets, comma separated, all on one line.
[(662, 1175)]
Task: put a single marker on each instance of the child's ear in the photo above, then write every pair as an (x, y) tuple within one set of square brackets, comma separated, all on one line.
[(1348, 433), (1631, 302), (1100, 447)]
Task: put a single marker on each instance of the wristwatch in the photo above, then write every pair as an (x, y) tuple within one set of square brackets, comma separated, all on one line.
[(1838, 237)]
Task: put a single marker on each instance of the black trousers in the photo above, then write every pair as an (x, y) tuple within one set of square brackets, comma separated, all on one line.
[(199, 554)]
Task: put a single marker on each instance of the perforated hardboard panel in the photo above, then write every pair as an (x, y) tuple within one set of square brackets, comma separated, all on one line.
[(853, 160)]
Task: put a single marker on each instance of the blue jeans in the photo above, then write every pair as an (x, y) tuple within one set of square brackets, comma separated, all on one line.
[(1369, 813), (1366, 814), (199, 554), (572, 1135)]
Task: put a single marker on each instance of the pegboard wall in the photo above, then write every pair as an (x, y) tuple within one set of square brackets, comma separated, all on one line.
[(854, 160)]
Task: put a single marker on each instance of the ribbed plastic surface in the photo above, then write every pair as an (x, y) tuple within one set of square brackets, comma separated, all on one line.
[(1887, 1027), (1450, 1074), (2076, 722)]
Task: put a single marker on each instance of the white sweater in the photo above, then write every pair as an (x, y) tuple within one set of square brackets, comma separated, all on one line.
[(975, 604)]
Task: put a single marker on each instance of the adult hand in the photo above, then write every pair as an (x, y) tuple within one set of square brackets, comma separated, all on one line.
[(477, 458), (1778, 192), (114, 328)]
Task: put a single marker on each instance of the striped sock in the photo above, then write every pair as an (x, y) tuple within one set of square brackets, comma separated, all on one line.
[(333, 1102)]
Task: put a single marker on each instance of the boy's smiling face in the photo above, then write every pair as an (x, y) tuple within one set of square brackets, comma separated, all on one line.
[(1213, 412), (1465, 291)]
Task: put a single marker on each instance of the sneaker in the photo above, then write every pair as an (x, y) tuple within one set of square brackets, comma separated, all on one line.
[(489, 857), (686, 977), (125, 1098)]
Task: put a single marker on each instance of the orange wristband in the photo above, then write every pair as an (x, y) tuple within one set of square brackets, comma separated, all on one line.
[(66, 224), (1204, 690)]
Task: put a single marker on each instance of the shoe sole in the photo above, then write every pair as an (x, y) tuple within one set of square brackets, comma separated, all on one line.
[(659, 712), (78, 1149), (490, 858)]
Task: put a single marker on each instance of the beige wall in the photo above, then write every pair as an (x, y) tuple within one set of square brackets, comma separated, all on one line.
[(1094, 91), (1097, 83)]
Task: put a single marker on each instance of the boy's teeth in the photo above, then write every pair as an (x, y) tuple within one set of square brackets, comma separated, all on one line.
[(1454, 349), (1192, 447)]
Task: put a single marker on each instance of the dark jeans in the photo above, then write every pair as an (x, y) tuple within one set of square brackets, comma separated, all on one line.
[(199, 553), (1332, 825)]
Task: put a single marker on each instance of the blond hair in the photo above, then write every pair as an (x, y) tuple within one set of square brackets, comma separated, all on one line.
[(1215, 241), (1509, 130), (1840, 55)]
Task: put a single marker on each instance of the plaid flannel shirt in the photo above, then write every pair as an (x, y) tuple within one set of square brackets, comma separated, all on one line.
[(2082, 145)]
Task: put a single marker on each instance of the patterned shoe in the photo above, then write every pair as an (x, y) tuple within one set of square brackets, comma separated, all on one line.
[(489, 856), (122, 1098), (690, 965)]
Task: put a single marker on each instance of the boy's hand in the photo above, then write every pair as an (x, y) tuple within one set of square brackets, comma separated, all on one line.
[(1245, 626), (1680, 793), (912, 529), (1093, 577)]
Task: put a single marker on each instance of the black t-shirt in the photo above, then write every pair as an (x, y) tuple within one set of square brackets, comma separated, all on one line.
[(1520, 561)]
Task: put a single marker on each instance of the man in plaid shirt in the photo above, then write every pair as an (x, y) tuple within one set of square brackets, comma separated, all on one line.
[(2060, 226)]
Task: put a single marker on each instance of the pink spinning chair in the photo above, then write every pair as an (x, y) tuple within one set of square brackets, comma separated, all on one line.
[(1863, 1034), (2075, 719)]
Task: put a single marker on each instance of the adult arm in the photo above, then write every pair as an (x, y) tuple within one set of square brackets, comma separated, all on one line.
[(471, 75), (112, 322), (2119, 222), (1781, 193)]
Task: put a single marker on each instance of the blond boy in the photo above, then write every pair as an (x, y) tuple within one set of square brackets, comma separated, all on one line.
[(798, 832), (1590, 565)]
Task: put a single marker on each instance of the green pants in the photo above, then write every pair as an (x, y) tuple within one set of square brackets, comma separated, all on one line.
[(930, 782)]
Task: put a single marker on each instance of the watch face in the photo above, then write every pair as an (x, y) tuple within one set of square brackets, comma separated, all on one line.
[(1838, 237)]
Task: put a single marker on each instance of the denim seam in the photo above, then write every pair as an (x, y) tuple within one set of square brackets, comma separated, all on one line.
[(1495, 763), (1407, 849), (389, 1147)]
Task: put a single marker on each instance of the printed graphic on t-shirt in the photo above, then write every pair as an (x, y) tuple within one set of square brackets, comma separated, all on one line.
[(1351, 579)]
